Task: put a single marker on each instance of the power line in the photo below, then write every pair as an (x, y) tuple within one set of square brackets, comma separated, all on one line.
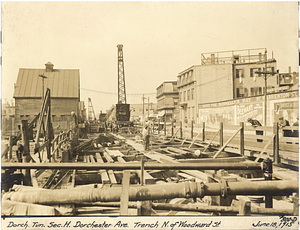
[(111, 93)]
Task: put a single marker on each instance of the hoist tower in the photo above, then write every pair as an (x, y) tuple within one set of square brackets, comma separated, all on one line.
[(121, 77), (122, 108)]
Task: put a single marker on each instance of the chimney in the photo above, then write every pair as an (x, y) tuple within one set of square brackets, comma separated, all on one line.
[(259, 57), (213, 58), (290, 69), (49, 67)]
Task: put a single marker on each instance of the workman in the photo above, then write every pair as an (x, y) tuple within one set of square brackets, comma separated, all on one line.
[(146, 137), (20, 151), (283, 123), (296, 124), (254, 123)]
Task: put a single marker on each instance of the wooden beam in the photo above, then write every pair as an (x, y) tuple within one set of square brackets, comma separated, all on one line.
[(227, 142), (125, 193), (103, 173)]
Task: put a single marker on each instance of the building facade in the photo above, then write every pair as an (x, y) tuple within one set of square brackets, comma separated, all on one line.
[(64, 85), (168, 101), (224, 77), (8, 118)]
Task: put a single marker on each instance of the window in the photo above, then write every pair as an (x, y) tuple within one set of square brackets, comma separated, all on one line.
[(184, 95), (192, 94), (188, 95), (241, 92), (255, 91), (180, 98), (252, 72), (175, 102), (239, 73)]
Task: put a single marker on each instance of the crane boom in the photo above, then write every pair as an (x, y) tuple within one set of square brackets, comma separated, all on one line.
[(91, 110)]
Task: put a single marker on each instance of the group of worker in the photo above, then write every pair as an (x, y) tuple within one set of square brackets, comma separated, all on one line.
[(282, 123)]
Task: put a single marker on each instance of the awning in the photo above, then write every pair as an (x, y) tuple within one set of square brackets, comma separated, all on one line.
[(161, 113)]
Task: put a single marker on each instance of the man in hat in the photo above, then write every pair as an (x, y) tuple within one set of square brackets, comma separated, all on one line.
[(283, 123), (296, 124), (146, 137)]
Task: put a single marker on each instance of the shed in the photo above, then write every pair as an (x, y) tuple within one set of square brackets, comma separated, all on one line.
[(64, 85)]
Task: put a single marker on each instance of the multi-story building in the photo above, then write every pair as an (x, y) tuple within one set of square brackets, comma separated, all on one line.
[(167, 100), (226, 76), (186, 84)]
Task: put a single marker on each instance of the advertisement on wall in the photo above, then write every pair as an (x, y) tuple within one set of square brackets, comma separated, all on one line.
[(233, 112), (214, 116), (249, 110), (287, 110)]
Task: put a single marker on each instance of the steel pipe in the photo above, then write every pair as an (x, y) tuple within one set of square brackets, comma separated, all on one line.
[(108, 193), (194, 207), (136, 166)]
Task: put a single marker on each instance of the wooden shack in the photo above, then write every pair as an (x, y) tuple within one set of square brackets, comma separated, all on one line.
[(65, 94)]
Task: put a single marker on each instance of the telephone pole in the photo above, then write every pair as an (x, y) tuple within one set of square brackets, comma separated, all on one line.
[(265, 73), (143, 98)]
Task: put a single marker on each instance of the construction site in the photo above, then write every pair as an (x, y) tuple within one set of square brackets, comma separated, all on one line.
[(84, 165)]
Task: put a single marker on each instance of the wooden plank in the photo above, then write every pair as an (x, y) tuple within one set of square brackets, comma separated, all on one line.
[(33, 178), (178, 150), (125, 193), (103, 173), (112, 177), (107, 157)]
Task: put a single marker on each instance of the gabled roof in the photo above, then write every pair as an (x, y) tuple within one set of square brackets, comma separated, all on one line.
[(63, 83)]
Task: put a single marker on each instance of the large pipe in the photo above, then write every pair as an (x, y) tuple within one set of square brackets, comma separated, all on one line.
[(106, 193), (193, 207), (135, 166)]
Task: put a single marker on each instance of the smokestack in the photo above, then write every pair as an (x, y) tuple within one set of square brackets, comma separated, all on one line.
[(290, 69)]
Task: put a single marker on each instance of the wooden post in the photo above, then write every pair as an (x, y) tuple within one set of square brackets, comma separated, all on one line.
[(142, 171), (10, 142), (244, 207), (125, 193), (26, 153), (295, 204), (242, 141), (172, 124), (181, 129), (203, 131), (192, 129), (165, 125), (276, 157), (146, 207), (268, 176), (221, 134)]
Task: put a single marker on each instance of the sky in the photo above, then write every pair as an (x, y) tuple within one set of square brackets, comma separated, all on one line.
[(160, 39)]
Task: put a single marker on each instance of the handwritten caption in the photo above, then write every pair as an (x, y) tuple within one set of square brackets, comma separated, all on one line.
[(119, 224), (284, 222)]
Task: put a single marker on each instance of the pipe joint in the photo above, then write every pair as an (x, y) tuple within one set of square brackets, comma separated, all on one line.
[(194, 190)]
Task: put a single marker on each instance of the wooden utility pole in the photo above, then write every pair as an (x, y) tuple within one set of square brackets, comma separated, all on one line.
[(26, 151)]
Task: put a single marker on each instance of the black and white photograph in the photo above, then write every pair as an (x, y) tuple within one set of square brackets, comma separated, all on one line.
[(171, 115)]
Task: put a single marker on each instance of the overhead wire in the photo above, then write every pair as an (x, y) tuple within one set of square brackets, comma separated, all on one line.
[(111, 93)]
